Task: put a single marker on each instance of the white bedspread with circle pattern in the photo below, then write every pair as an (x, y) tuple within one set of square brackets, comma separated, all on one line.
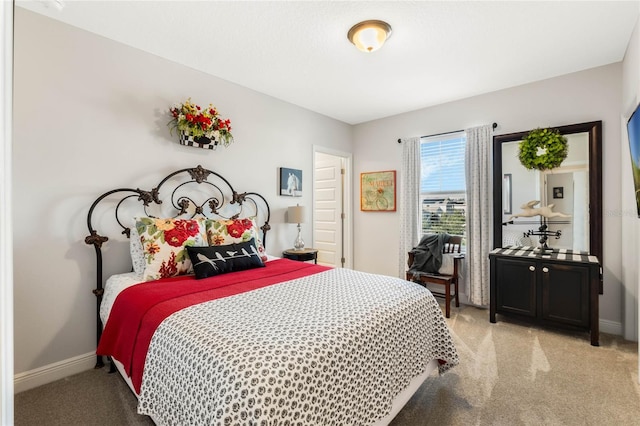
[(332, 348)]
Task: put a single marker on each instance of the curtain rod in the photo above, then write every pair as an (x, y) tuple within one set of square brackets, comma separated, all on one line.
[(494, 125)]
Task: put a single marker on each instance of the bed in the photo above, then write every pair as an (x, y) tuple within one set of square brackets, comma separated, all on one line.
[(209, 329)]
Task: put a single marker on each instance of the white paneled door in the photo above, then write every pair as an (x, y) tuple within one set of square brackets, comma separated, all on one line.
[(328, 217)]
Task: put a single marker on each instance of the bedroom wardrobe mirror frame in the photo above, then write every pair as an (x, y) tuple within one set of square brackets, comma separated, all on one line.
[(593, 130)]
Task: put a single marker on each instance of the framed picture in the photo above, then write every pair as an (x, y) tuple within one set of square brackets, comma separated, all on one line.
[(633, 130), (506, 193), (378, 191), (558, 192), (290, 182)]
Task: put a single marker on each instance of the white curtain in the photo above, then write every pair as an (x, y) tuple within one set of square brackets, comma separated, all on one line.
[(409, 196), (478, 171)]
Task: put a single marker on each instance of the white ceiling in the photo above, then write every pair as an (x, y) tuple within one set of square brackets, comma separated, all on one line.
[(439, 51)]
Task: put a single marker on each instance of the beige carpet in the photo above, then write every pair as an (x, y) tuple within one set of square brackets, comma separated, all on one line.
[(514, 374), (510, 374)]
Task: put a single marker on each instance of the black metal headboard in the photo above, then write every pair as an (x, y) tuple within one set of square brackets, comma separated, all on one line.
[(188, 193)]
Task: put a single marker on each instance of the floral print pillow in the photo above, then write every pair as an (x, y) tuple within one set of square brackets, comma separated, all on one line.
[(223, 232), (164, 243)]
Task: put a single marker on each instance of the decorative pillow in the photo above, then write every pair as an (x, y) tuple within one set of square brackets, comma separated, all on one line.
[(135, 248), (163, 244), (223, 232), (216, 260), (446, 268)]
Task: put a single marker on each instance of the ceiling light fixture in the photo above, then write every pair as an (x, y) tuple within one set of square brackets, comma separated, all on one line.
[(369, 36)]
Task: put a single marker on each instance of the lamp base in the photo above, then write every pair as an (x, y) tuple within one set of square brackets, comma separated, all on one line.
[(298, 243)]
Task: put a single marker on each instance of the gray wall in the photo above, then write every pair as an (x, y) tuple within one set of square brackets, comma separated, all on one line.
[(90, 115), (589, 95), (628, 212)]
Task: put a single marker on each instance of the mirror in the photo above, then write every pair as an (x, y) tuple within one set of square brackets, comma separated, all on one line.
[(574, 188)]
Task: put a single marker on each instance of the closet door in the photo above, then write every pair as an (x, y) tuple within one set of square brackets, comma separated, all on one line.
[(328, 217)]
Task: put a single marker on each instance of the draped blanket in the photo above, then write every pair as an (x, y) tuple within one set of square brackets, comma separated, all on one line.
[(427, 255)]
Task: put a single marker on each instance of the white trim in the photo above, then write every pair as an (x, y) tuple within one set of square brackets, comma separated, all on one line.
[(52, 372), (605, 326), (6, 234), (610, 327)]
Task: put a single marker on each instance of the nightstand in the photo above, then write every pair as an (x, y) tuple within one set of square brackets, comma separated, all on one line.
[(301, 255)]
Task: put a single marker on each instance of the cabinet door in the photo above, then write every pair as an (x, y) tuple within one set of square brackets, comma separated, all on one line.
[(565, 293), (516, 286)]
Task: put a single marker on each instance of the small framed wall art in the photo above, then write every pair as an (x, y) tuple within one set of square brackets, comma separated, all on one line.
[(290, 182), (378, 191), (558, 192)]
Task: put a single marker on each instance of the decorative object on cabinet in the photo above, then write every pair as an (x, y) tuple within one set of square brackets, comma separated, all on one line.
[(544, 233), (543, 149), (295, 214), (560, 288), (290, 182), (200, 127), (529, 210), (378, 191), (633, 131)]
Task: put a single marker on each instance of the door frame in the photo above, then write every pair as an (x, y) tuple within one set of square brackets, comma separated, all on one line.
[(6, 233), (347, 196)]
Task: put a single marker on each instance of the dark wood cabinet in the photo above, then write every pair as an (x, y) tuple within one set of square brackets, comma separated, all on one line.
[(516, 287), (560, 288)]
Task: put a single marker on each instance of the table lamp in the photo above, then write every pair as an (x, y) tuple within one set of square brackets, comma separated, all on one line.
[(295, 214)]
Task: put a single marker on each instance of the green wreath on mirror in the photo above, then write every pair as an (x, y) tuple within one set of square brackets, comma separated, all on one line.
[(553, 145)]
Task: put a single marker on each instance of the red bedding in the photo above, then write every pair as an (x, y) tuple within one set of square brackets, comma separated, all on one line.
[(139, 310)]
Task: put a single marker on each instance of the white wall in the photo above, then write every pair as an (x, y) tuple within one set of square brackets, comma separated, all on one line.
[(90, 115), (628, 212), (6, 246), (575, 98)]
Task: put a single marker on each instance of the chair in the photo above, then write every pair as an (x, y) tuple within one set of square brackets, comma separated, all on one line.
[(450, 247)]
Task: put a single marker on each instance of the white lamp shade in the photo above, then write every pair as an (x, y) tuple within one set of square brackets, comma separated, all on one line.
[(295, 214), (369, 36)]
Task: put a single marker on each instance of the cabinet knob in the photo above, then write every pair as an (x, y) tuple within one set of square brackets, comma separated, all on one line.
[(545, 269), (532, 268)]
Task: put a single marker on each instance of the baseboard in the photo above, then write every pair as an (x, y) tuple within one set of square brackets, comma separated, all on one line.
[(52, 372), (611, 327), (606, 326)]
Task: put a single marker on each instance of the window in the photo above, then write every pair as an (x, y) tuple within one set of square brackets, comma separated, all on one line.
[(442, 184)]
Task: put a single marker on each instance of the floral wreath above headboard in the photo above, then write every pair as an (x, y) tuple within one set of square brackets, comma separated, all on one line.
[(182, 195)]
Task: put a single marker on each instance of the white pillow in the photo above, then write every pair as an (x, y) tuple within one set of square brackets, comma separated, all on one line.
[(447, 264), (135, 248)]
